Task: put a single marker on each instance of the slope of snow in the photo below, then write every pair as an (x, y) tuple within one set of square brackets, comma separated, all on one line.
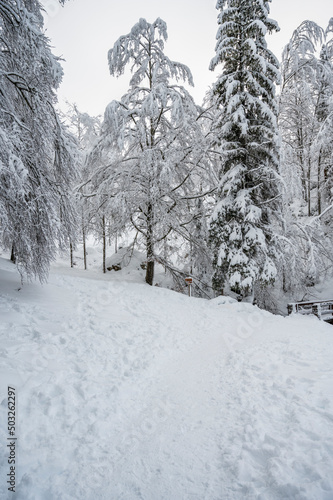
[(128, 392)]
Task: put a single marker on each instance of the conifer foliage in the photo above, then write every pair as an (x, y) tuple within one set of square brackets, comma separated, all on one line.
[(241, 227)]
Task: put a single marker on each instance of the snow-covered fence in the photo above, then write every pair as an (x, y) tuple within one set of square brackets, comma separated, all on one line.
[(323, 309)]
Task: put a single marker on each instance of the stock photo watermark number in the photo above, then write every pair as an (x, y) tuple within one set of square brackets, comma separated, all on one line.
[(12, 439)]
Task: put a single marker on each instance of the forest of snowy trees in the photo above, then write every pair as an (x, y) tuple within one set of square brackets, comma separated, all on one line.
[(237, 191)]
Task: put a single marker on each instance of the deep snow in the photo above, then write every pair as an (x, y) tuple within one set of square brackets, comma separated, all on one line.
[(128, 392)]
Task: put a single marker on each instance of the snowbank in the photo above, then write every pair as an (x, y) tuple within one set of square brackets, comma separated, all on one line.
[(126, 391)]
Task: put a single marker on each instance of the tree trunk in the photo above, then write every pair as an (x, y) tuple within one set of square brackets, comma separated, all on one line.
[(104, 245), (150, 247), (150, 270), (84, 245), (71, 254), (13, 255), (319, 185), (109, 225), (300, 155), (309, 187), (165, 244), (150, 215)]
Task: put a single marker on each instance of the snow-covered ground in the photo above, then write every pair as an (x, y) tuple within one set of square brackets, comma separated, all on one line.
[(126, 391)]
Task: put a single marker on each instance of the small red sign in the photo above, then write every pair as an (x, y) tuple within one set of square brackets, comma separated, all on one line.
[(189, 280)]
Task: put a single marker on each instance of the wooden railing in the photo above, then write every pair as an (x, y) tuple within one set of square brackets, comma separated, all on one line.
[(323, 309)]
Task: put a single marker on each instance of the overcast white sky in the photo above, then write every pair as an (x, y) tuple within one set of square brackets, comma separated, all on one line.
[(83, 31)]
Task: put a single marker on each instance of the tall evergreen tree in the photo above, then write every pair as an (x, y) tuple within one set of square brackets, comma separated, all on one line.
[(241, 227)]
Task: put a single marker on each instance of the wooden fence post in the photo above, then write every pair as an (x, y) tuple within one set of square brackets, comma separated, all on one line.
[(316, 310)]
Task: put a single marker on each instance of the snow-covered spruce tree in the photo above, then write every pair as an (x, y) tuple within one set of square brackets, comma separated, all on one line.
[(151, 149), (242, 226), (36, 152)]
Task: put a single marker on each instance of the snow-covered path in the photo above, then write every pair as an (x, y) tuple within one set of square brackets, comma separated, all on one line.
[(131, 392)]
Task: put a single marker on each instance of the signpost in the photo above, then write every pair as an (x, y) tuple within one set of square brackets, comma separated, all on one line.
[(189, 282)]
